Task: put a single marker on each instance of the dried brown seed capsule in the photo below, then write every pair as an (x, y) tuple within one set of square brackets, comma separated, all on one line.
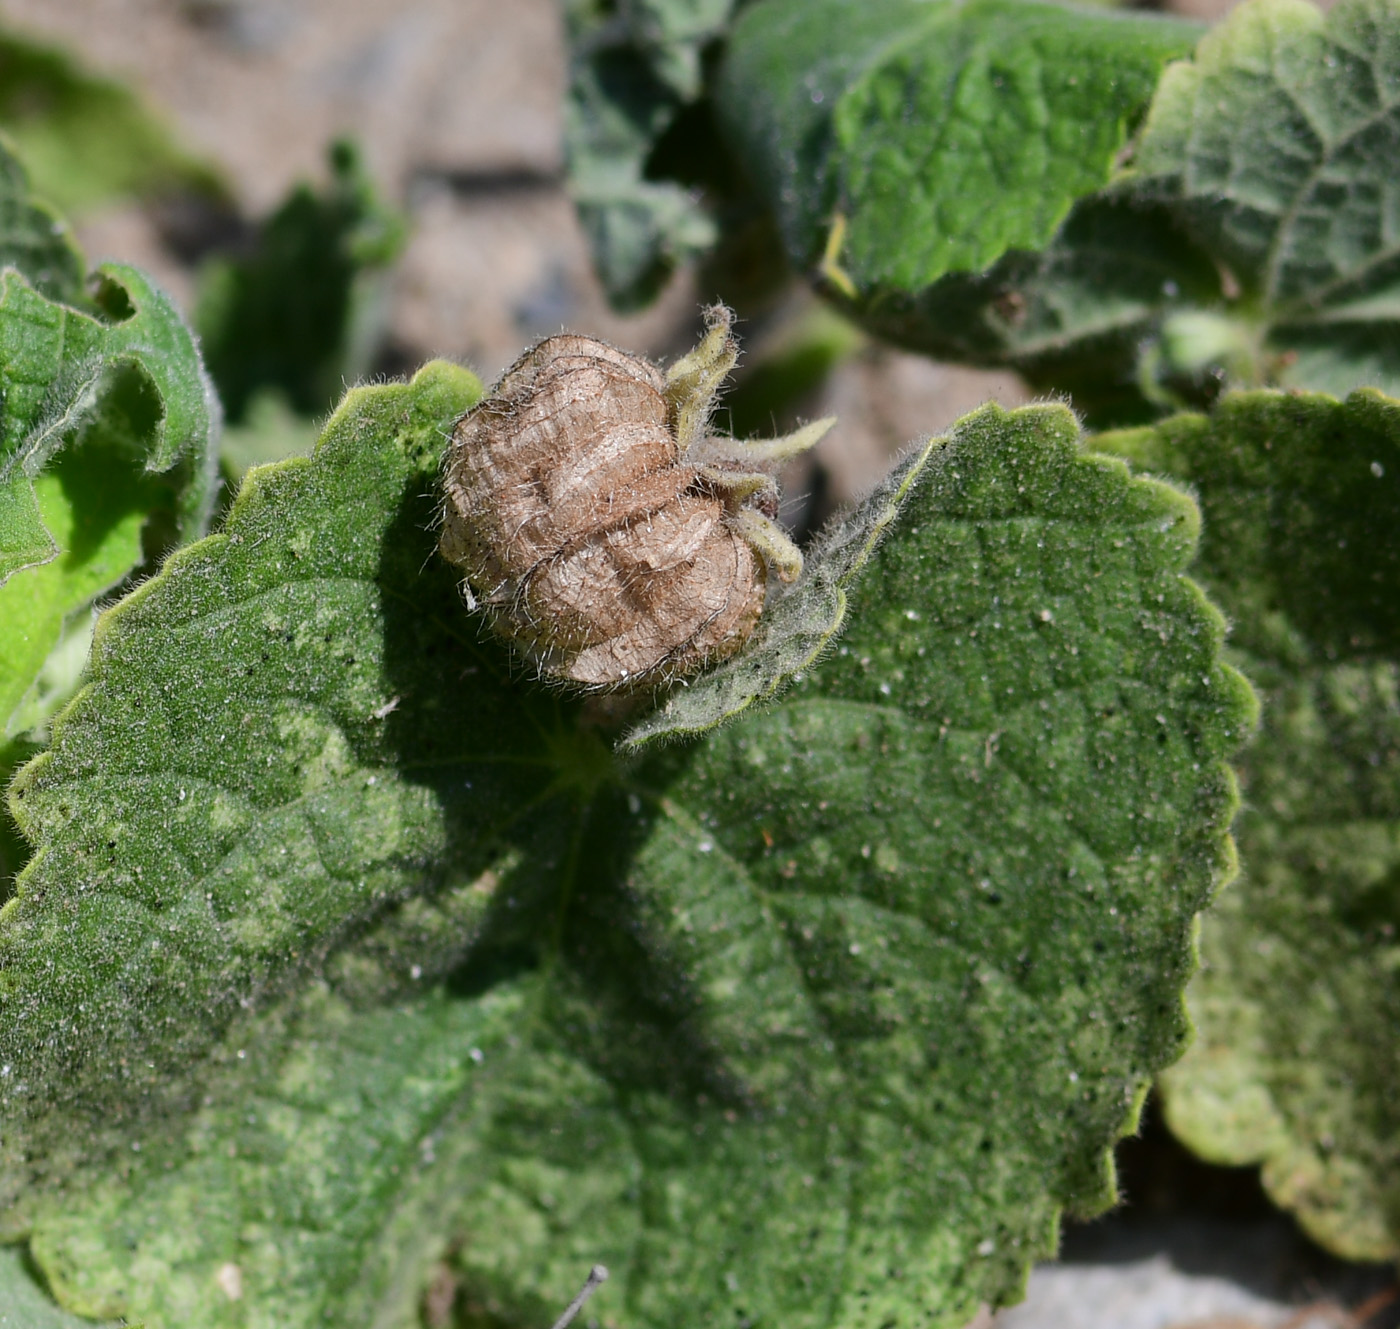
[(599, 527)]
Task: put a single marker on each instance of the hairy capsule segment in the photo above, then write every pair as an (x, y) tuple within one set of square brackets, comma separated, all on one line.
[(587, 532), (531, 488)]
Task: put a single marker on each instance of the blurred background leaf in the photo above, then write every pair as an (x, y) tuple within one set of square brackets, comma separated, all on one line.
[(86, 140), (301, 313), (1298, 999)]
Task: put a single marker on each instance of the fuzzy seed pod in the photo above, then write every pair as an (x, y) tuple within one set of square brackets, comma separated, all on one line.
[(599, 528)]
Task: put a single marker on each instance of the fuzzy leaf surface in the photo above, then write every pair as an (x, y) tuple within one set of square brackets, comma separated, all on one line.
[(57, 361), (109, 436), (1087, 315), (1275, 146), (944, 134), (1298, 996), (228, 861), (107, 452), (820, 1020), (1249, 239), (797, 627)]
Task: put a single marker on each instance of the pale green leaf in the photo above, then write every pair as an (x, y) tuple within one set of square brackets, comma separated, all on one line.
[(1275, 147), (1298, 1001), (98, 524)]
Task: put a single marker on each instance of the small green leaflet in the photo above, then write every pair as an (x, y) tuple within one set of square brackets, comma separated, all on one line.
[(56, 362), (394, 969), (1298, 992)]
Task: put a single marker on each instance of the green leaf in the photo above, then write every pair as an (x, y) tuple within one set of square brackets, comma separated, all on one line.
[(1082, 316), (900, 140), (299, 787), (23, 1304), (344, 952), (123, 395), (57, 364), (1298, 997), (35, 239), (98, 523), (285, 1190), (1274, 147), (302, 313), (107, 454), (1248, 243), (87, 140), (633, 71)]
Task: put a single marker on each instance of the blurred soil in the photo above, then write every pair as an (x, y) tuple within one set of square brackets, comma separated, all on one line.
[(457, 106)]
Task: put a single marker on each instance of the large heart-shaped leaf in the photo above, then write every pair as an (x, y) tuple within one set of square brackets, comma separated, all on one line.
[(350, 958)]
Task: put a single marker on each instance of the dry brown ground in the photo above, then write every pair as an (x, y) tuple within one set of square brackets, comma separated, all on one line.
[(457, 106)]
